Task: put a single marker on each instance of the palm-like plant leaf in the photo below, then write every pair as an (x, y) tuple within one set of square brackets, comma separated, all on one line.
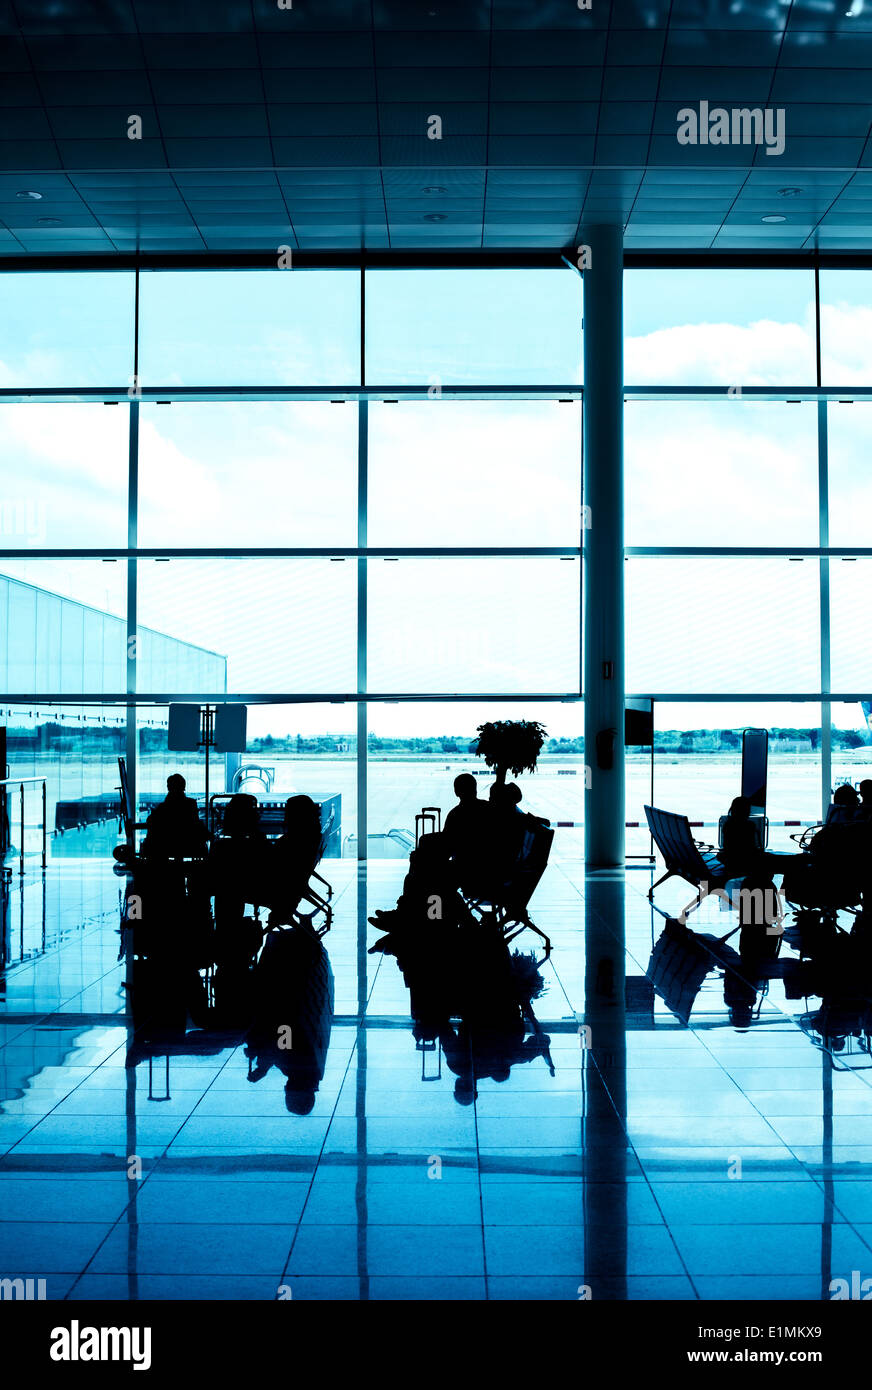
[(510, 745)]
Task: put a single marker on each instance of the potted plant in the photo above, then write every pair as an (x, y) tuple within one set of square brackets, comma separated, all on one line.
[(510, 745)]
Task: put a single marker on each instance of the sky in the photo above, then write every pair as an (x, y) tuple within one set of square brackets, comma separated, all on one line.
[(730, 472)]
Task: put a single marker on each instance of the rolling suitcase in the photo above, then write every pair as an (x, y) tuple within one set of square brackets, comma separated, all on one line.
[(428, 821)]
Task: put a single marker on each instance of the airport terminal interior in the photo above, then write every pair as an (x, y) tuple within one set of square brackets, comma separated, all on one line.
[(435, 671)]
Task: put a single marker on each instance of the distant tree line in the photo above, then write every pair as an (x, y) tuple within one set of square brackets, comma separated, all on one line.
[(53, 734), (781, 739)]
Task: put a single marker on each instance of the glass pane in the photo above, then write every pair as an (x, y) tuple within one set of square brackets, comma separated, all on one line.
[(852, 743), (850, 632), (254, 473), (62, 627), (66, 329), (308, 750), (721, 473), (846, 315), (249, 328), (63, 475), (722, 625), (280, 625), (76, 749), (849, 448), (475, 473), (468, 625), (698, 763), (473, 327), (416, 750), (719, 327)]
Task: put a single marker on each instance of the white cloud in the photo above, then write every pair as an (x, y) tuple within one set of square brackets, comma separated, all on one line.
[(764, 353)]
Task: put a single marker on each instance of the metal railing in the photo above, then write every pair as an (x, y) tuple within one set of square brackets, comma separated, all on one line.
[(20, 783)]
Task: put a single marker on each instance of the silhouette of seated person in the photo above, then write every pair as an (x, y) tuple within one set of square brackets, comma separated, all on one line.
[(469, 826), (236, 856), (470, 818), (513, 798), (742, 853), (175, 912), (511, 832), (237, 868), (740, 843), (174, 828), (429, 902), (295, 857), (840, 851), (866, 799), (846, 806), (173, 937)]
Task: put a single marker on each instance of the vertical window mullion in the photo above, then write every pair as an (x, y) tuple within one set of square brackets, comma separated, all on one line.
[(132, 543), (362, 485), (824, 540)]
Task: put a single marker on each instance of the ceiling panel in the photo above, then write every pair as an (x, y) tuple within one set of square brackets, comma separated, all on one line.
[(316, 123)]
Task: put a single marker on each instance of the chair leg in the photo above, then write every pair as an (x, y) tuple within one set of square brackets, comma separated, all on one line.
[(667, 875), (693, 905), (509, 935), (546, 939), (326, 884), (319, 905)]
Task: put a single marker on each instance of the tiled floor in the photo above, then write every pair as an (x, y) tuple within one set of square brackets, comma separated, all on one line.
[(661, 1161)]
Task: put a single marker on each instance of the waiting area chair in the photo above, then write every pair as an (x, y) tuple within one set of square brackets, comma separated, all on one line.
[(684, 857), (505, 900)]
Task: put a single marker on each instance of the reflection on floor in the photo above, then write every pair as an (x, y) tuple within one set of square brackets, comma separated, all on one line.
[(731, 1158)]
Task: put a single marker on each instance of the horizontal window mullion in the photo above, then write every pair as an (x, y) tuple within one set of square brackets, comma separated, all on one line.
[(292, 552), (200, 697), (708, 697), (803, 552), (338, 394)]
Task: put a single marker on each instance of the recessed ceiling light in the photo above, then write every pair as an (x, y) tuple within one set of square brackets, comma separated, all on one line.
[(434, 188), (28, 193), (434, 216), (49, 221), (789, 192), (773, 217)]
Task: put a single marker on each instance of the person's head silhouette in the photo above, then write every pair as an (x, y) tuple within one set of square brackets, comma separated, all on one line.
[(302, 814), (465, 1092), (846, 795), (176, 784), (514, 795), (465, 787), (740, 807), (299, 1101), (241, 816), (866, 791)]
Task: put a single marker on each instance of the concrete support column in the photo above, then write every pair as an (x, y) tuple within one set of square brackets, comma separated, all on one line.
[(604, 547)]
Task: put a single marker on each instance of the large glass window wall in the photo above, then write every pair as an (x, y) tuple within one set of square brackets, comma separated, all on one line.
[(355, 502)]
